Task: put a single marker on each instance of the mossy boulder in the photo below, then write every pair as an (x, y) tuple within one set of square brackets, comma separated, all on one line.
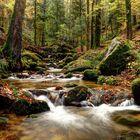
[(91, 75), (23, 107), (128, 117), (136, 90), (78, 65), (116, 58), (95, 56), (70, 85), (128, 121), (31, 61), (69, 75), (77, 94)]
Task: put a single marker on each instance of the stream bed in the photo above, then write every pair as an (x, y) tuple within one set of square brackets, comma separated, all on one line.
[(75, 123)]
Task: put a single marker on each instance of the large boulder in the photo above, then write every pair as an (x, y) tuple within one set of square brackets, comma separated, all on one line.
[(91, 75), (23, 107), (76, 95), (116, 58), (78, 65), (136, 90)]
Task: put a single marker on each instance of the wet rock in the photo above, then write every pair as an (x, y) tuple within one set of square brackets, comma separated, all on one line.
[(99, 97), (136, 90), (39, 92), (128, 118), (59, 88), (128, 121), (70, 85), (78, 94), (23, 107), (3, 121), (69, 75), (5, 102), (22, 75), (129, 135)]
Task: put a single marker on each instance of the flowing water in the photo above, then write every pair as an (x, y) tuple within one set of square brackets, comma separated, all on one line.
[(70, 123)]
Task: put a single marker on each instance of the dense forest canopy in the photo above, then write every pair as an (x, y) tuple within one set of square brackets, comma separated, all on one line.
[(68, 19)]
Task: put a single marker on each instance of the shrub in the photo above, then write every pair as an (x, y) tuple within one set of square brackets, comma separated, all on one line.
[(109, 80)]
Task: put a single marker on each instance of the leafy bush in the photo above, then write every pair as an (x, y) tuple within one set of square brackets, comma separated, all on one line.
[(109, 80)]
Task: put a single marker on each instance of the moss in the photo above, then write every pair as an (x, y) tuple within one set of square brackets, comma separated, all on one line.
[(109, 80), (116, 61), (78, 65), (136, 90), (77, 94), (128, 121), (70, 85), (94, 56), (91, 75), (32, 61), (3, 65), (68, 75), (23, 107), (30, 55)]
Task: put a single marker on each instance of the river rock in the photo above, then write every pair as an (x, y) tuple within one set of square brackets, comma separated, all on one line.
[(39, 92), (3, 122), (116, 58), (128, 118), (76, 95), (129, 135), (136, 90), (23, 107), (22, 75)]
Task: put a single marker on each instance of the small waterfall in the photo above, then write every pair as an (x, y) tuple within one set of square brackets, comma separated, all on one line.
[(127, 103), (45, 98)]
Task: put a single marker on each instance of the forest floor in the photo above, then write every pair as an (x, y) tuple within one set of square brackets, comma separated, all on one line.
[(125, 78)]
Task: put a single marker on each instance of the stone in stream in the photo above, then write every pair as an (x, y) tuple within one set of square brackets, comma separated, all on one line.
[(136, 90), (39, 92), (76, 95), (23, 107), (22, 75)]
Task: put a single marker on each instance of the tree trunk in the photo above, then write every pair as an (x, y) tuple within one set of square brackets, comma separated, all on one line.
[(44, 19), (88, 27), (35, 16), (13, 45), (92, 22), (98, 26), (128, 19), (134, 20)]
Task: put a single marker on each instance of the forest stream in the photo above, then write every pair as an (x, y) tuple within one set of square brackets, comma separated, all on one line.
[(74, 123)]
